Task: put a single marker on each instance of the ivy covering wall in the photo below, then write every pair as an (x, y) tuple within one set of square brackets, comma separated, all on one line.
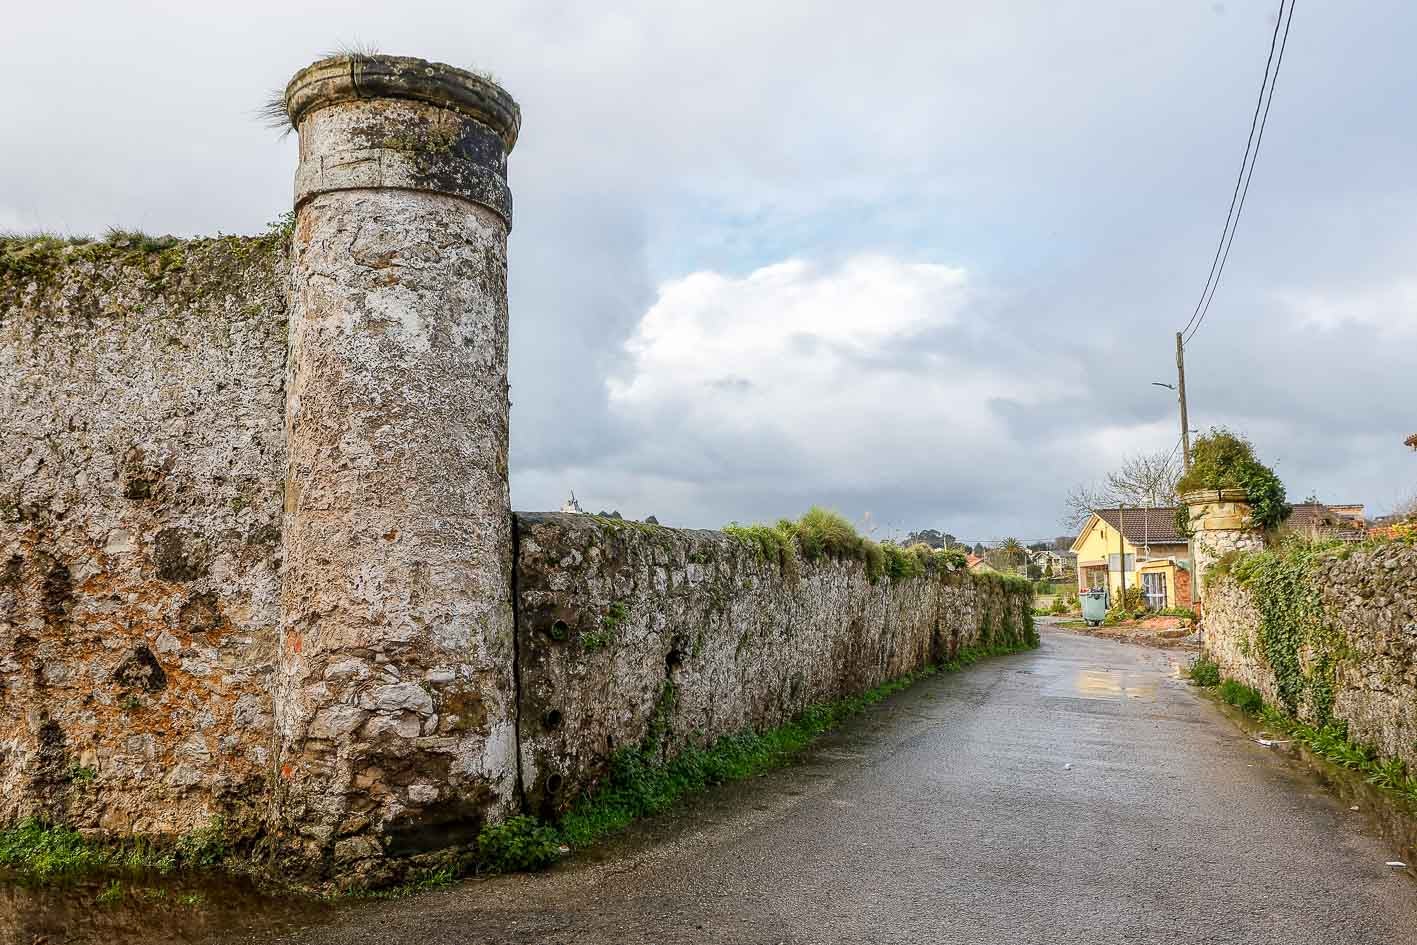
[(1326, 633)]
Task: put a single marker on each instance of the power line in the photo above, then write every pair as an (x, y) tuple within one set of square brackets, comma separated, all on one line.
[(1259, 138), (1237, 196), (1174, 449)]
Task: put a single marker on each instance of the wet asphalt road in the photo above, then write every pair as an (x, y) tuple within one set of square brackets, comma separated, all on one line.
[(948, 815)]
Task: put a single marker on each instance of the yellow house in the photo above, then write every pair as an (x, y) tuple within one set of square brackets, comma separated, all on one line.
[(1141, 545)]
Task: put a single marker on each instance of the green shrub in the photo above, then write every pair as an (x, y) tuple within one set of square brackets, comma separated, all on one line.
[(875, 560), (1390, 773), (953, 559), (1331, 742), (42, 850), (900, 564), (1242, 696), (1204, 671), (1222, 460), (520, 843), (204, 847), (823, 532), (774, 544), (82, 774)]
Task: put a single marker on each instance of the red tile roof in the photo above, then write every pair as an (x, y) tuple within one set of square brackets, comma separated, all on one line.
[(1333, 521), (1158, 526), (1145, 526)]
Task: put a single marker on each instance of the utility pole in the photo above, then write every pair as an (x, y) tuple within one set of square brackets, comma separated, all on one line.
[(1121, 552), (1181, 395)]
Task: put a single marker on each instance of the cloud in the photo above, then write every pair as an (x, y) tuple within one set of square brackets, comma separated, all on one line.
[(807, 381), (796, 332), (765, 255), (1389, 309)]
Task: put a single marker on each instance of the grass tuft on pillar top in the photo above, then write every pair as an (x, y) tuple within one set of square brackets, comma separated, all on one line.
[(1224, 460)]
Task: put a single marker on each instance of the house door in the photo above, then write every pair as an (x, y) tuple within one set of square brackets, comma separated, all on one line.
[(1154, 584)]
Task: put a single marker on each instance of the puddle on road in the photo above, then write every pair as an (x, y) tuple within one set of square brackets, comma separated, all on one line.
[(134, 908), (1106, 684)]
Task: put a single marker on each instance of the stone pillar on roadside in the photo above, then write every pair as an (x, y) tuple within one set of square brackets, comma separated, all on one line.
[(1220, 523), (395, 695)]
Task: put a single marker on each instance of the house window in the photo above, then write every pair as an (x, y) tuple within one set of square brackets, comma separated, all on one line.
[(1112, 562)]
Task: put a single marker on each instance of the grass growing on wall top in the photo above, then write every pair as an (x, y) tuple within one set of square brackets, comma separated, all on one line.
[(40, 256), (821, 533)]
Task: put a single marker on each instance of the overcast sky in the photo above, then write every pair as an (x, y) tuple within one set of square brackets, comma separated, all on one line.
[(915, 261)]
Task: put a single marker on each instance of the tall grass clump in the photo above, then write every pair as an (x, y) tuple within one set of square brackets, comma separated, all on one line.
[(823, 534)]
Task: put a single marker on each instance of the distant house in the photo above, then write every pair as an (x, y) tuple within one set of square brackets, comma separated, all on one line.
[(572, 505), (1145, 546), (1051, 562), (1317, 520), (977, 564)]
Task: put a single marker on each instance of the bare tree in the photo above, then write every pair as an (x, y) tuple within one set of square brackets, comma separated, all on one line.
[(1080, 501), (1146, 479), (1143, 479)]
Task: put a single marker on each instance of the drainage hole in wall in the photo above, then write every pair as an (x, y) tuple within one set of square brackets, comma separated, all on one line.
[(552, 719), (553, 784), (559, 630)]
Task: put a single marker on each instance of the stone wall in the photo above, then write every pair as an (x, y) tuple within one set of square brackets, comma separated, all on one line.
[(625, 628), (257, 560), (1370, 605), (141, 479), (145, 469)]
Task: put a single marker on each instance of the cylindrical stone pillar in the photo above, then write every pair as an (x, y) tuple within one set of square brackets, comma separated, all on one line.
[(395, 693), (1220, 523)]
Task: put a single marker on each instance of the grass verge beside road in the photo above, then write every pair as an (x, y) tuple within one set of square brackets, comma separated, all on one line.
[(1329, 740)]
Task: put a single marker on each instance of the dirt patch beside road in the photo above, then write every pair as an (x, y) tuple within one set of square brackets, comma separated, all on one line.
[(1169, 633)]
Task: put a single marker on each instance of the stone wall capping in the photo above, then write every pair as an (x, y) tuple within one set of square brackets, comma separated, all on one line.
[(348, 77), (1203, 496)]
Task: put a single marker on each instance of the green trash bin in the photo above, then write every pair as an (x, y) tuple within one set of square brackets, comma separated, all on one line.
[(1094, 606)]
